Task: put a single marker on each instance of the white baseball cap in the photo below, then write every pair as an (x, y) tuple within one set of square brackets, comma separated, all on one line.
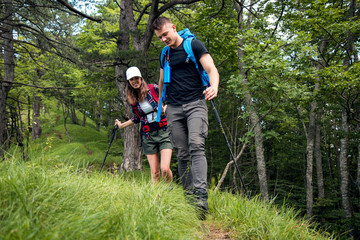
[(132, 72)]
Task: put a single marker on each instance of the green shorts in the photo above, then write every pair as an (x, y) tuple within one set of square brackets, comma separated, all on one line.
[(158, 140)]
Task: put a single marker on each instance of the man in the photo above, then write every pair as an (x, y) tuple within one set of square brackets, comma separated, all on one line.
[(186, 110)]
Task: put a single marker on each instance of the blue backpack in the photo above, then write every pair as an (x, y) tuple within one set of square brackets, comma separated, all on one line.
[(164, 61), (188, 37)]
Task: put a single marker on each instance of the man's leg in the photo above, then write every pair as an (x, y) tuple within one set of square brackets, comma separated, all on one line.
[(197, 122), (179, 140)]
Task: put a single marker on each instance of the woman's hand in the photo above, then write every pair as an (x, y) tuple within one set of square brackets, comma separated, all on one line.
[(118, 123), (124, 124)]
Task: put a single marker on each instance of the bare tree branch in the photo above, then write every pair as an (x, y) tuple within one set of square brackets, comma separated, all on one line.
[(71, 8), (222, 7), (168, 5), (47, 88)]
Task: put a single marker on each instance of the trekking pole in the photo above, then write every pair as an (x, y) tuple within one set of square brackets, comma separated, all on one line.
[(228, 145), (111, 140)]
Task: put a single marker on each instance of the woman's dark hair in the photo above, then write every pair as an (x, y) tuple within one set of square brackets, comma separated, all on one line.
[(136, 94)]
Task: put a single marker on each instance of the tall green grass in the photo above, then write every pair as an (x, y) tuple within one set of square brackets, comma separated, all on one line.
[(65, 203), (255, 219)]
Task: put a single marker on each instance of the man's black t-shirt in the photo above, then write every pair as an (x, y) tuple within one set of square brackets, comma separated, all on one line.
[(186, 85)]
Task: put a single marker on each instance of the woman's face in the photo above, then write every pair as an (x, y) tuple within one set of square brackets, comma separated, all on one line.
[(135, 82)]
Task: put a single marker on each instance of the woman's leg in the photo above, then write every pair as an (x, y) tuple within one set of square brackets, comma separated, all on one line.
[(166, 173), (154, 166)]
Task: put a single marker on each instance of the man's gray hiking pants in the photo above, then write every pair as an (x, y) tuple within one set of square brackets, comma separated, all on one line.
[(188, 125)]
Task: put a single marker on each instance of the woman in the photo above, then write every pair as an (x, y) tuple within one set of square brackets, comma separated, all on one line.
[(154, 135)]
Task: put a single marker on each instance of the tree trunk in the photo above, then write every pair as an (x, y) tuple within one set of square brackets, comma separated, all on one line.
[(28, 127), (132, 151), (66, 115), (309, 160), (358, 166), (358, 146), (9, 69), (344, 141), (358, 160), (259, 145), (19, 130), (97, 116), (254, 118), (344, 170), (84, 119), (318, 157), (73, 117), (36, 126)]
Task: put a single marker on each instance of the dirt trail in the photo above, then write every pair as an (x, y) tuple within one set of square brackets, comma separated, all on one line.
[(215, 232)]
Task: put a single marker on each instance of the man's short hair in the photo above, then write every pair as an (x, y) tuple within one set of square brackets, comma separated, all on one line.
[(160, 22)]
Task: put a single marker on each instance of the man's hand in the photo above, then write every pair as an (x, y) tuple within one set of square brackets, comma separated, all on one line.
[(163, 109), (210, 93)]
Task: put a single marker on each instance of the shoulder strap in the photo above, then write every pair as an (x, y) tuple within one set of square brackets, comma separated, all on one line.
[(189, 51), (153, 93), (164, 55), (134, 108), (191, 55)]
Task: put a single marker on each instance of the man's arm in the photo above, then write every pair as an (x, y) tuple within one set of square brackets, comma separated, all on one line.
[(161, 82), (161, 87), (208, 64)]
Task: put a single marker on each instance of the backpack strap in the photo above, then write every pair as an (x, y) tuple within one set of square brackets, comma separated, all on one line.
[(164, 55), (191, 55), (134, 108), (164, 61), (153, 93), (189, 51)]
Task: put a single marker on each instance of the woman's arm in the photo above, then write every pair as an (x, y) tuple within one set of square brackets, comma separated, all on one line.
[(125, 124)]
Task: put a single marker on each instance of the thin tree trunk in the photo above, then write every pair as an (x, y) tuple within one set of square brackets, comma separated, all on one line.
[(20, 131), (97, 116), (311, 145), (36, 126), (344, 141), (254, 118), (28, 128), (73, 117), (358, 166), (259, 147), (310, 157), (358, 160), (358, 146), (66, 115), (44, 109), (318, 157), (84, 119), (344, 169), (9, 69)]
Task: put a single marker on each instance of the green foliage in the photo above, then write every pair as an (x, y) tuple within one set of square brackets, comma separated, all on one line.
[(254, 219)]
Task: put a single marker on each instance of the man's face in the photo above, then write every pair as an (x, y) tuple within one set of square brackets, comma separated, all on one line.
[(167, 34)]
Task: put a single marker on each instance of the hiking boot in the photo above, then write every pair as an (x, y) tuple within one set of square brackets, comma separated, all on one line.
[(200, 197), (202, 212)]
